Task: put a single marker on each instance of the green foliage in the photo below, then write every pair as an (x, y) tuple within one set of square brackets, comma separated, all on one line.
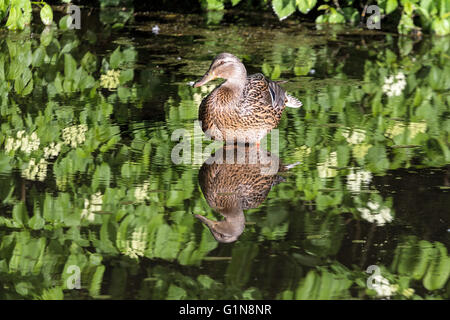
[(108, 199), (19, 13), (434, 15)]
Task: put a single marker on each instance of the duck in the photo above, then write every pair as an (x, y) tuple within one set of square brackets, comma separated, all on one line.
[(232, 186), (244, 108)]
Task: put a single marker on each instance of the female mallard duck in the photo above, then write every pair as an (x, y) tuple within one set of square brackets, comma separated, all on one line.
[(230, 187), (243, 108)]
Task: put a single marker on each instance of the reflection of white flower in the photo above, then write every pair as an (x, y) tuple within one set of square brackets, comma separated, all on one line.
[(204, 90), (52, 150), (382, 286), (394, 130), (416, 128), (74, 135), (91, 206), (375, 214), (141, 192), (408, 292), (394, 85), (207, 89), (356, 137), (324, 169), (399, 127), (356, 179), (197, 97), (135, 247), (35, 170), (302, 152)]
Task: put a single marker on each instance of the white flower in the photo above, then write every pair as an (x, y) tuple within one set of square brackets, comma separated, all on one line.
[(155, 29), (394, 85), (376, 215), (9, 144), (382, 286), (20, 133), (400, 76), (52, 150), (25, 143), (110, 80)]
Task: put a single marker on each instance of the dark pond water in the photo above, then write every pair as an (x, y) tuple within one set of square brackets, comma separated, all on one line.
[(89, 189)]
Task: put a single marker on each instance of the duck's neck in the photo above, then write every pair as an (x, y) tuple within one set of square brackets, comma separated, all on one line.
[(231, 90), (234, 219)]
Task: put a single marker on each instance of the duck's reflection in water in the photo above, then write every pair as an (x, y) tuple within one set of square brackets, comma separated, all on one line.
[(234, 179)]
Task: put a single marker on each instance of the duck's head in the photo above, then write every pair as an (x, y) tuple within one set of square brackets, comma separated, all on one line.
[(227, 230), (224, 66)]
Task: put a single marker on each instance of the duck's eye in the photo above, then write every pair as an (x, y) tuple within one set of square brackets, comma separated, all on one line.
[(220, 63)]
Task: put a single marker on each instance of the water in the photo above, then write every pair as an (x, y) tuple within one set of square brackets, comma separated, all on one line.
[(371, 186)]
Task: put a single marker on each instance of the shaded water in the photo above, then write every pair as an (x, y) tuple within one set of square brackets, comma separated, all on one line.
[(371, 186)]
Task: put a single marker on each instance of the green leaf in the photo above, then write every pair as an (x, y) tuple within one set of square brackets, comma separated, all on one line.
[(115, 59), (46, 15), (391, 5), (212, 4), (126, 75), (323, 7), (336, 17), (89, 62), (305, 5), (65, 22), (441, 26), (283, 8)]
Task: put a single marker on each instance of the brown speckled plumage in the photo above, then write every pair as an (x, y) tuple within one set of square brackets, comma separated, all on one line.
[(246, 185), (230, 187), (243, 108)]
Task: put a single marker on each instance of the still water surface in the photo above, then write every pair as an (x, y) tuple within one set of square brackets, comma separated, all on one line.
[(88, 185)]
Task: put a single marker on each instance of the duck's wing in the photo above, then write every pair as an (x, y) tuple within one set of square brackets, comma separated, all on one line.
[(263, 91)]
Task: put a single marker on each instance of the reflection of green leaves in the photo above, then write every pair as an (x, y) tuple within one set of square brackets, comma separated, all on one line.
[(439, 268), (423, 260), (323, 286)]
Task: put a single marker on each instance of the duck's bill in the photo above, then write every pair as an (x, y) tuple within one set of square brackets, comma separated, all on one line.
[(206, 78), (205, 220)]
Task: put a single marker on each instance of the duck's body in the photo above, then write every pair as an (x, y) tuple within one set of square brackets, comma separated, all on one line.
[(232, 186), (239, 185), (243, 108)]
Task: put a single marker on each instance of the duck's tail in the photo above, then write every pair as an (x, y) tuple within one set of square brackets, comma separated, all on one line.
[(292, 102)]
